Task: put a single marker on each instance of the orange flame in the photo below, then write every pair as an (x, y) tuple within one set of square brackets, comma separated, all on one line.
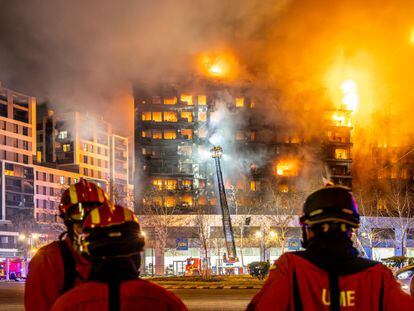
[(218, 65)]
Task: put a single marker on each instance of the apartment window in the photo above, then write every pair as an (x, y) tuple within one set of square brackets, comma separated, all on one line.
[(66, 147), (51, 178), (146, 133), (3, 125), (15, 128), (85, 159), (251, 103), (170, 201), (92, 161), (16, 143), (157, 116), (170, 101), (146, 116), (25, 131), (185, 150), (187, 134), (75, 180), (170, 134), (44, 190), (99, 150), (202, 100), (187, 116), (99, 162), (52, 191), (188, 99), (25, 159), (170, 116), (44, 176), (85, 147), (69, 180), (341, 153), (16, 157), (91, 148), (63, 135), (157, 183), (25, 145), (171, 184), (252, 135), (239, 102), (283, 188), (62, 180), (187, 183), (254, 185), (239, 135), (156, 134), (202, 116)]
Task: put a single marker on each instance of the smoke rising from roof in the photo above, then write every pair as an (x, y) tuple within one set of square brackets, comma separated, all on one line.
[(88, 54)]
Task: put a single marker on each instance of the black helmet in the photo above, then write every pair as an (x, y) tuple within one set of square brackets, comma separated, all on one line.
[(330, 204)]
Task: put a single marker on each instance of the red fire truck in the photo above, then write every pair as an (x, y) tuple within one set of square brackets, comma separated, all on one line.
[(15, 268)]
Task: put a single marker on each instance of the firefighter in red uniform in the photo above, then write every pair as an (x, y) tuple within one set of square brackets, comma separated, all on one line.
[(113, 243), (58, 266), (329, 275)]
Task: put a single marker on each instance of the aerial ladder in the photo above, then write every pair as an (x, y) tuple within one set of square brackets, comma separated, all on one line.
[(231, 256)]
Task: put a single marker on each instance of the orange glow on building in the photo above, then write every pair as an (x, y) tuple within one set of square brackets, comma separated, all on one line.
[(218, 65), (287, 168)]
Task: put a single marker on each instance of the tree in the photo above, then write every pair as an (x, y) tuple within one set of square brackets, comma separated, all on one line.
[(397, 202), (159, 216)]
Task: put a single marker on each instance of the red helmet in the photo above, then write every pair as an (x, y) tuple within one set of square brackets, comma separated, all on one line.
[(112, 232), (83, 194)]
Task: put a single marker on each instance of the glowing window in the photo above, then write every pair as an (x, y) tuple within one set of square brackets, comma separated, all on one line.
[(156, 134), (187, 183), (202, 100), (286, 168), (341, 153), (187, 116), (170, 201), (202, 116), (170, 134), (146, 133), (202, 200), (157, 116), (251, 103), (63, 135), (66, 147), (146, 116), (157, 183), (171, 184), (240, 135), (187, 200), (170, 101), (283, 188), (187, 134), (252, 135), (170, 116), (254, 185), (185, 98), (239, 101)]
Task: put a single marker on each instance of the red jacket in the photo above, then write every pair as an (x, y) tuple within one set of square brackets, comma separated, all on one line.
[(134, 295), (45, 279), (358, 291)]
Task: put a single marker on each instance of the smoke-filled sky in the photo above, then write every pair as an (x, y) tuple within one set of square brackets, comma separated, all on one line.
[(88, 54)]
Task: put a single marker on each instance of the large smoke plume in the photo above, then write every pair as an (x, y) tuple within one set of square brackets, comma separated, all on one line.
[(90, 53)]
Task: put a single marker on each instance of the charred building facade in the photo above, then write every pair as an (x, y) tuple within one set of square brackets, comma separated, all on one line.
[(268, 148)]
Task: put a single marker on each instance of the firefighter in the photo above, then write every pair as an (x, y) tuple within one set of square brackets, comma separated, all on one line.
[(58, 266), (329, 275), (113, 242)]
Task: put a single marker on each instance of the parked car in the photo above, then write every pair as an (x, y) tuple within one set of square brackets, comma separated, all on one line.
[(404, 276)]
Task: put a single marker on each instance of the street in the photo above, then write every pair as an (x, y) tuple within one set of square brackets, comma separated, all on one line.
[(11, 298)]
